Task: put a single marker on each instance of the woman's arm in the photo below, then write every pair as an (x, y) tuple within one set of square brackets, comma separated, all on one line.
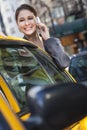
[(2, 34), (55, 49)]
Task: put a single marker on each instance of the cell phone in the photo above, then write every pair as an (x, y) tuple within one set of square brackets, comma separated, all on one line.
[(38, 20)]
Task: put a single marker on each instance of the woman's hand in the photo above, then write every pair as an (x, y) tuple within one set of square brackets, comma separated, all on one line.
[(43, 30), (2, 34)]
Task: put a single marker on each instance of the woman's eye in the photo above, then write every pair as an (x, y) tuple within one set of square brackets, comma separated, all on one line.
[(30, 18), (21, 20)]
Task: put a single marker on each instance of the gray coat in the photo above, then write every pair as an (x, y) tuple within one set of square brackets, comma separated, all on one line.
[(56, 51)]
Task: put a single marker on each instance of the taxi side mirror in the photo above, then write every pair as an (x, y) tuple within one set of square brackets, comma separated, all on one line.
[(56, 106)]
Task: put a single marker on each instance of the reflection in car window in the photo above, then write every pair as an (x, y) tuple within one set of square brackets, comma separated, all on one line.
[(55, 73), (21, 70)]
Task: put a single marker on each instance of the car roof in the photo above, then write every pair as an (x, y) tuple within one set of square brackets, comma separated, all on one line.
[(15, 41), (9, 40)]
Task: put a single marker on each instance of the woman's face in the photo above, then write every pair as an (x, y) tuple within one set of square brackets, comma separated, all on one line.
[(26, 22)]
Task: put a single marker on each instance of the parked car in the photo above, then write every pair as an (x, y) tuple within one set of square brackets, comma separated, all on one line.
[(23, 65), (78, 67)]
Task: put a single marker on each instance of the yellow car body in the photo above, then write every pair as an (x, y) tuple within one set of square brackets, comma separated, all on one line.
[(9, 116), (9, 97)]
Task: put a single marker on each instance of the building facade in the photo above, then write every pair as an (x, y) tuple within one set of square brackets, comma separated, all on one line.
[(50, 11)]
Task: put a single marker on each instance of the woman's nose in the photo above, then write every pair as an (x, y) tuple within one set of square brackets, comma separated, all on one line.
[(26, 22)]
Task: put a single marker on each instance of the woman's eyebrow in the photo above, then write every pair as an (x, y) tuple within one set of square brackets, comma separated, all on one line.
[(20, 17)]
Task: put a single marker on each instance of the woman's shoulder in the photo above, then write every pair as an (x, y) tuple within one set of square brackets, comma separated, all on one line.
[(52, 41)]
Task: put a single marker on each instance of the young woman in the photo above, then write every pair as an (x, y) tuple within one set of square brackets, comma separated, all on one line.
[(27, 22), (38, 33)]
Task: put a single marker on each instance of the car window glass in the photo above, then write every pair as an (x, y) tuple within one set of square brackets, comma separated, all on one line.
[(21, 70), (55, 73)]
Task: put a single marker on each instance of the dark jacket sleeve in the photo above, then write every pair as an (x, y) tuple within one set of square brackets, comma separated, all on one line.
[(54, 48)]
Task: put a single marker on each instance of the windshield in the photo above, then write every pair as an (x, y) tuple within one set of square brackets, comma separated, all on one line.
[(23, 68)]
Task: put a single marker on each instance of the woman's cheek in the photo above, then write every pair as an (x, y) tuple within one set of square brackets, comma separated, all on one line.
[(20, 26)]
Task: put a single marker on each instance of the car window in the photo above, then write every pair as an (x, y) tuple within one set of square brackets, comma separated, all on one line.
[(21, 70), (23, 67), (55, 73), (78, 68)]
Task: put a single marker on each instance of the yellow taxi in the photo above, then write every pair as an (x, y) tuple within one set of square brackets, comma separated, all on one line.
[(23, 66)]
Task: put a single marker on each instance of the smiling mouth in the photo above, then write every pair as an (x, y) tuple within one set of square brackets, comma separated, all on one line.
[(27, 29)]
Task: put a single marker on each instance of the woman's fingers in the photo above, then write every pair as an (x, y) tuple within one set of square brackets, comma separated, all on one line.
[(2, 34), (41, 26), (44, 31)]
